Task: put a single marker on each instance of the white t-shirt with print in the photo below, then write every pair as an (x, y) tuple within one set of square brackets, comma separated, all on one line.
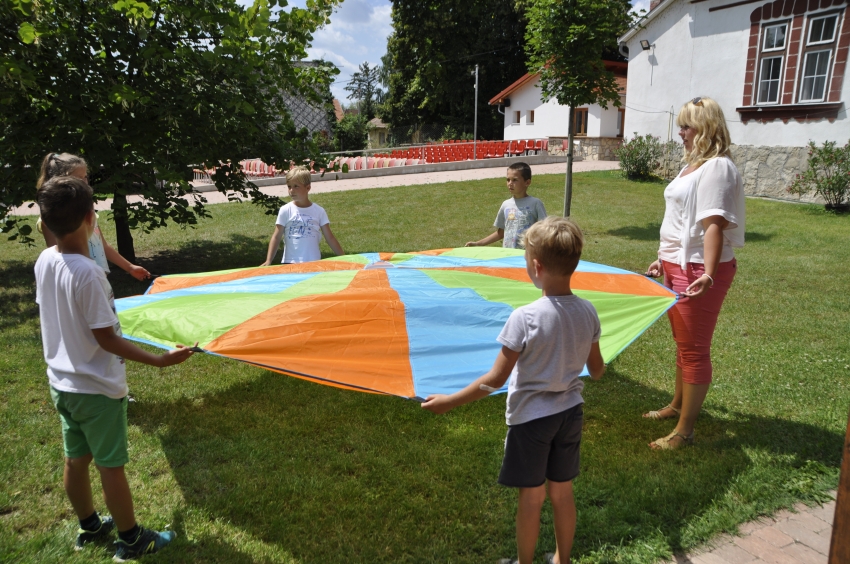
[(302, 232), (553, 336), (74, 297), (516, 216)]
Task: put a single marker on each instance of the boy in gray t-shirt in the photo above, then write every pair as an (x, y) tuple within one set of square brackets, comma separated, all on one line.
[(545, 345), (517, 213)]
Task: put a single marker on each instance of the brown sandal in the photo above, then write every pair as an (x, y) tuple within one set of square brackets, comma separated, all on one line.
[(664, 443), (657, 414)]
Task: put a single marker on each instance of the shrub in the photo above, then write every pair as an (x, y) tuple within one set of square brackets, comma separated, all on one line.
[(828, 174), (640, 157), (351, 133)]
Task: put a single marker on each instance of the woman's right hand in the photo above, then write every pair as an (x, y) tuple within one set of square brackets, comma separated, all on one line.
[(655, 270)]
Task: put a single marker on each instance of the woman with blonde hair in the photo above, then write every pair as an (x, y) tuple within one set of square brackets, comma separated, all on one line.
[(703, 222)]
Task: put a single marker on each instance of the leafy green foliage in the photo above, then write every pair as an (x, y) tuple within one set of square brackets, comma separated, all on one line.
[(828, 174), (640, 156), (351, 133), (146, 90), (364, 89), (432, 52), (565, 43)]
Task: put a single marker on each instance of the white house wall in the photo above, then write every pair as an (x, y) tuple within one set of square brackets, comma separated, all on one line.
[(550, 118), (702, 53)]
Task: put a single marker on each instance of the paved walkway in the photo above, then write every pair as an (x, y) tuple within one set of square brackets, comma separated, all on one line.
[(786, 538), (382, 182)]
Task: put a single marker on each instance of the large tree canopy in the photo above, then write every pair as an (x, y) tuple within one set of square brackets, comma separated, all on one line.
[(432, 51), (144, 90)]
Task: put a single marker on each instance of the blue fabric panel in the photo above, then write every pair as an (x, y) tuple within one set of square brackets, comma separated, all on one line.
[(451, 332), (427, 261), (271, 284)]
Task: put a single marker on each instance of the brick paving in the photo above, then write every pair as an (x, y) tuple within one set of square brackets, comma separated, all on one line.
[(801, 536)]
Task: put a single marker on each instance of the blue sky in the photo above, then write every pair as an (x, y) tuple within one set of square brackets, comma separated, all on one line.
[(358, 32)]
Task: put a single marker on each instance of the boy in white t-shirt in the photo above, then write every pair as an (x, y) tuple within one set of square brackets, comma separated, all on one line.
[(545, 346), (85, 355), (301, 224), (517, 213)]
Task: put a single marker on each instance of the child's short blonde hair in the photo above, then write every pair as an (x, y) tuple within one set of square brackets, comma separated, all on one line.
[(556, 243), (299, 174)]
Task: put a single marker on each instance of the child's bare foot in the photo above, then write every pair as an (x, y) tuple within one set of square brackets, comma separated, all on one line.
[(666, 412)]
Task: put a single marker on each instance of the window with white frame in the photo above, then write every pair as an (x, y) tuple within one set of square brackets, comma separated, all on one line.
[(516, 117), (774, 37), (531, 117), (813, 67), (817, 57), (771, 57), (822, 30), (815, 73), (770, 76)]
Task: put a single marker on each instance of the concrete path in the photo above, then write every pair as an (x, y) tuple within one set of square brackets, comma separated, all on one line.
[(786, 538), (343, 183)]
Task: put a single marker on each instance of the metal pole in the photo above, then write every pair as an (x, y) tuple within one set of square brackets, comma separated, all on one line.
[(475, 127), (568, 186)]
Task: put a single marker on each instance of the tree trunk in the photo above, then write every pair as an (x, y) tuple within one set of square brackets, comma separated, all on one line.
[(122, 228), (839, 550), (568, 185)]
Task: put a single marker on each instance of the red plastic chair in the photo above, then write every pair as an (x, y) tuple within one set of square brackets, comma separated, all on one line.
[(519, 148)]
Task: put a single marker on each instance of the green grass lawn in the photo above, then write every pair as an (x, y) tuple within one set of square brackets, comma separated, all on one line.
[(252, 466)]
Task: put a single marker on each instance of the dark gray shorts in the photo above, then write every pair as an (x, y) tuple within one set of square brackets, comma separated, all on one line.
[(543, 449)]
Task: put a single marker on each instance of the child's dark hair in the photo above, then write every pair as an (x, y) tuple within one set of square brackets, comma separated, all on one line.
[(58, 164), (556, 243), (523, 169), (64, 202)]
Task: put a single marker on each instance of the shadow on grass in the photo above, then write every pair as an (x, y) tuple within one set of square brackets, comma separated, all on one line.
[(330, 475), (635, 233), (18, 290)]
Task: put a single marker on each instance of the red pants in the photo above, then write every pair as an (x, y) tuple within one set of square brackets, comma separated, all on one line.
[(693, 319)]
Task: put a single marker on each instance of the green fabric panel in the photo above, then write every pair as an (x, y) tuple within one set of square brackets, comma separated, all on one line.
[(356, 259), (204, 318), (484, 253), (401, 257), (491, 288), (623, 317)]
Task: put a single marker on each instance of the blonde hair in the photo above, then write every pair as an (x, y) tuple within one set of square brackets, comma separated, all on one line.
[(299, 174), (556, 243), (58, 164), (712, 137)]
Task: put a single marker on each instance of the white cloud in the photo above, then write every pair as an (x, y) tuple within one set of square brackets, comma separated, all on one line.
[(639, 5)]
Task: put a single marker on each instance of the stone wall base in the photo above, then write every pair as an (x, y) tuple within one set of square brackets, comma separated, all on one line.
[(767, 171), (587, 148)]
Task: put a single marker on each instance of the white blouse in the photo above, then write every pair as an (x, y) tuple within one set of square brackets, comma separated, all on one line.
[(715, 188)]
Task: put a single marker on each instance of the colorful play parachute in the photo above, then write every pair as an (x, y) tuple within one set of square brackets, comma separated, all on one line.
[(406, 324)]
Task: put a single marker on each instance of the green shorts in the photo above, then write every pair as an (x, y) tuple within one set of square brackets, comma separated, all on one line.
[(93, 423)]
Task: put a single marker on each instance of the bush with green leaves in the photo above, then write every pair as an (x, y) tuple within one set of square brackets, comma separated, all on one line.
[(351, 133), (828, 174), (640, 156)]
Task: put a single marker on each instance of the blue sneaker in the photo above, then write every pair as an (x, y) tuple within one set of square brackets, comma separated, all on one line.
[(84, 537), (147, 542)]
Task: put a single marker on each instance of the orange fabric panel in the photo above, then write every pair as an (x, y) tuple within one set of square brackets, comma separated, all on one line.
[(432, 252), (385, 256), (595, 281), (179, 282), (358, 336)]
